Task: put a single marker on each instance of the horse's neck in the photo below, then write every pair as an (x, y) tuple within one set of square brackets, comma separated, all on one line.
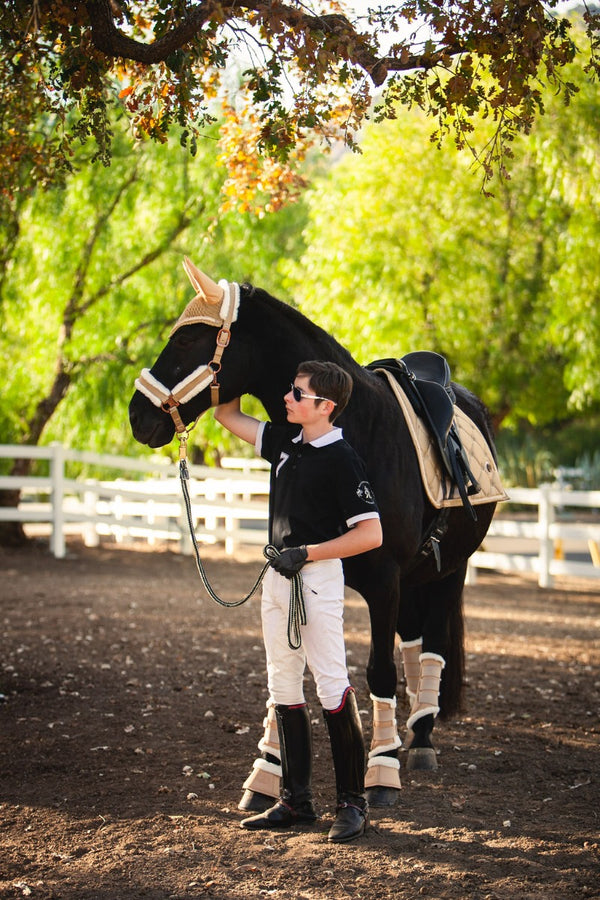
[(288, 338)]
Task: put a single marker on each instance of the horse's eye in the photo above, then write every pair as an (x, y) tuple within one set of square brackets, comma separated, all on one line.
[(182, 338)]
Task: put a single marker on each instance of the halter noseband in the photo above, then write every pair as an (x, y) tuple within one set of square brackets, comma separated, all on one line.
[(204, 375)]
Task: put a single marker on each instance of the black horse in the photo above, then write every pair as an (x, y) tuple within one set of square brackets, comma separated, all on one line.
[(258, 353)]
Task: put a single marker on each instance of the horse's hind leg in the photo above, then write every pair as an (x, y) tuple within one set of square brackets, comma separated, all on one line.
[(432, 628), (421, 753)]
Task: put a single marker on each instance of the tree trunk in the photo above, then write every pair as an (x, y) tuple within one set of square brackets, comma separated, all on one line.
[(12, 534)]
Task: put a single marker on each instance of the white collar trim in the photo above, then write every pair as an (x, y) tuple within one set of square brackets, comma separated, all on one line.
[(329, 438)]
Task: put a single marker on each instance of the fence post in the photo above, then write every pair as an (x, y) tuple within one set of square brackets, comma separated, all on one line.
[(471, 576), (545, 519), (186, 545), (57, 492), (230, 522), (90, 529)]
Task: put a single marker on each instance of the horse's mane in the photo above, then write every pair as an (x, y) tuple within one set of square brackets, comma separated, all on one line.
[(328, 344)]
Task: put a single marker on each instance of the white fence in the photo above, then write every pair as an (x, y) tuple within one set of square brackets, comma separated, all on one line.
[(229, 504), (546, 536)]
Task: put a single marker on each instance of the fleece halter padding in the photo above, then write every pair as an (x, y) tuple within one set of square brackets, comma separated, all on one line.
[(197, 310)]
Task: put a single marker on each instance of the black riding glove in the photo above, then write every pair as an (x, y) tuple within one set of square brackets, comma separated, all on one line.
[(290, 561)]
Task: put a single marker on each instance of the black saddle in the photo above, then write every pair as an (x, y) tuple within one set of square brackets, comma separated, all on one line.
[(425, 378)]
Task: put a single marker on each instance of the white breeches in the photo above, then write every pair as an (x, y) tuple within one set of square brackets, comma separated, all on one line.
[(323, 647)]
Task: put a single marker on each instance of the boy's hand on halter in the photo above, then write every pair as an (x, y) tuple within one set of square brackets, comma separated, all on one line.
[(290, 561)]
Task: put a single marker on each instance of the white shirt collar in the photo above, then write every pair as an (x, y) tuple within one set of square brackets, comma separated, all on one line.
[(329, 437)]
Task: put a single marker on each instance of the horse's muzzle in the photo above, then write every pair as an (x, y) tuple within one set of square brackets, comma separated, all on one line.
[(149, 425)]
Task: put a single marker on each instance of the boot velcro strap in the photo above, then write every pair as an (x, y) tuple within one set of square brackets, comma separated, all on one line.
[(383, 717), (385, 730), (379, 747), (385, 726), (271, 733)]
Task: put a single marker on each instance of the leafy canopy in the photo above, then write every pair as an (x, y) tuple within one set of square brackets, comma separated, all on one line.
[(95, 281), (505, 287), (307, 72)]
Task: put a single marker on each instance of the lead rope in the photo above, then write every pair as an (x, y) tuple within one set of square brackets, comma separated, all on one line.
[(297, 609)]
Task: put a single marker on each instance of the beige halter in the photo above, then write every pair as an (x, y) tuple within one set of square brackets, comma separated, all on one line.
[(214, 304)]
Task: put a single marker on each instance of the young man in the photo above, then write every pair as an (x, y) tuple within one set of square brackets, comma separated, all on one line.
[(321, 510)]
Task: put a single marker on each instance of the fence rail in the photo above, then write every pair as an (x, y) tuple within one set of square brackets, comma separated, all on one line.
[(230, 504), (550, 530)]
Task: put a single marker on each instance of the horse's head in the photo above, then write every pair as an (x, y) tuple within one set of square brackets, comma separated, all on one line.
[(184, 381)]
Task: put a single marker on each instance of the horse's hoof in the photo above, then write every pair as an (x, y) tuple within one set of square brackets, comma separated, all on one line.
[(252, 801), (382, 796), (421, 759)]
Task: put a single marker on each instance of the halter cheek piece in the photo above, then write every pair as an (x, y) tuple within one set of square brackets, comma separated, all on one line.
[(206, 374)]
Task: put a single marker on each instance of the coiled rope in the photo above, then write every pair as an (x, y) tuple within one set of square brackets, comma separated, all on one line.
[(297, 609)]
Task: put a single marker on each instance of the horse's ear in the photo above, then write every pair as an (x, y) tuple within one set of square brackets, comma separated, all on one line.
[(202, 284)]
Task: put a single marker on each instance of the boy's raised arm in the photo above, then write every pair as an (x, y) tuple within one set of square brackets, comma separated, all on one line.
[(230, 416)]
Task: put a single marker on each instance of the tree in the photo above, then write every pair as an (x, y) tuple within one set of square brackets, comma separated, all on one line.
[(306, 74), (505, 287), (94, 282)]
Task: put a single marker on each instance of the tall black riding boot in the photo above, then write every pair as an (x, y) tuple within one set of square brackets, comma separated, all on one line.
[(348, 749), (295, 806)]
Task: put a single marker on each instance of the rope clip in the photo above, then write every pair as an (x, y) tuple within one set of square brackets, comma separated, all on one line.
[(183, 439)]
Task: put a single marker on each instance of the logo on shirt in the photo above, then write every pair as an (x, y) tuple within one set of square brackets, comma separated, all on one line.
[(364, 492), (282, 461)]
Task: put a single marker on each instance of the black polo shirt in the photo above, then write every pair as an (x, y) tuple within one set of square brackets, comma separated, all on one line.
[(319, 490)]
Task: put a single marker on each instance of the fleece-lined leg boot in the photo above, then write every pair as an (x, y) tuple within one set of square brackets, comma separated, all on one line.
[(263, 784), (411, 663), (421, 755), (295, 806), (348, 750), (382, 778)]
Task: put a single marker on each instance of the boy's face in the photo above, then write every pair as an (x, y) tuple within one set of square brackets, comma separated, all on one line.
[(305, 411)]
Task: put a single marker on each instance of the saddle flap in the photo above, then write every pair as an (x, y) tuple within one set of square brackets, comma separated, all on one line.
[(438, 409)]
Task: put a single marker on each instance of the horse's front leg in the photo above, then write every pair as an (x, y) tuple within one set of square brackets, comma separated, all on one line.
[(382, 779), (263, 786)]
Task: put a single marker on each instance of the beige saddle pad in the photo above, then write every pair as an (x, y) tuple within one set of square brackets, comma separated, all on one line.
[(438, 486)]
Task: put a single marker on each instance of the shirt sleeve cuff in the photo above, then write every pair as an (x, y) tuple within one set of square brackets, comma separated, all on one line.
[(361, 518), (259, 437)]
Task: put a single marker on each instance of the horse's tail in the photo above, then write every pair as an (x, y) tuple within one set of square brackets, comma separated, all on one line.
[(452, 685)]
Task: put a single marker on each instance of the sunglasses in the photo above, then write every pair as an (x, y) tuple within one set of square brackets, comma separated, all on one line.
[(298, 395)]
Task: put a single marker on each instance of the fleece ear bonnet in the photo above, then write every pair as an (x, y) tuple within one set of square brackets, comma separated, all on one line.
[(214, 304)]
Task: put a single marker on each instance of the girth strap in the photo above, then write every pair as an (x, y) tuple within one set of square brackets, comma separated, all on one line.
[(430, 543)]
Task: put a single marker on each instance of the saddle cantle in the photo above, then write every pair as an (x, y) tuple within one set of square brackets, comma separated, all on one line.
[(425, 379)]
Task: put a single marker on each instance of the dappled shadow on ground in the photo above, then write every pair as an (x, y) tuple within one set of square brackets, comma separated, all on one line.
[(131, 709)]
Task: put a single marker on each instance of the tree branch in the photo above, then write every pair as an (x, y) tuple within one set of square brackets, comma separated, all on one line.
[(74, 305), (112, 42), (109, 40), (180, 225)]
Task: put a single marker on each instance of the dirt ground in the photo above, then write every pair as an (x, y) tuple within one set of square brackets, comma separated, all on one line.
[(132, 705)]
